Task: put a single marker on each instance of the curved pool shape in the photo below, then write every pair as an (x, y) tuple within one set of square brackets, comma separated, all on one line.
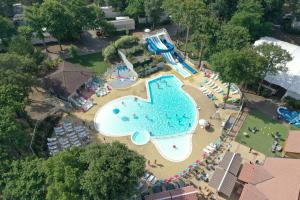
[(169, 111), (140, 138)]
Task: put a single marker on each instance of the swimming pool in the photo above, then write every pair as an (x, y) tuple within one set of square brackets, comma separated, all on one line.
[(168, 111)]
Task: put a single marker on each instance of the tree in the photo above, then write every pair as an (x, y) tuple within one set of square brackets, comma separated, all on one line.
[(152, 10), (25, 180), (63, 173), (118, 5), (184, 13), (113, 171), (21, 46), (18, 70), (272, 9), (276, 60), (65, 19), (7, 28), (250, 15), (225, 39), (135, 8), (237, 66), (26, 32), (6, 8), (200, 42), (34, 17), (222, 9)]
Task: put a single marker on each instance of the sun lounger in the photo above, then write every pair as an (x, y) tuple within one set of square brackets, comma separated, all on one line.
[(154, 180), (150, 178), (235, 92), (216, 77), (208, 152), (78, 145), (209, 82), (206, 92), (212, 149), (214, 86), (52, 139), (146, 175)]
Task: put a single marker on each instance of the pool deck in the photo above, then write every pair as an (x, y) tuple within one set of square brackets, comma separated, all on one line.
[(201, 138)]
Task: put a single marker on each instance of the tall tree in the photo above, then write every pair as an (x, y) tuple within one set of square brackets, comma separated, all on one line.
[(135, 8), (184, 13), (276, 59), (7, 28), (226, 40), (250, 15), (25, 180), (34, 17), (63, 173), (222, 9), (237, 66), (108, 178), (152, 10)]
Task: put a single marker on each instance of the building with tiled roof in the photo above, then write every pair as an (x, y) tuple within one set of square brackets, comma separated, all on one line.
[(276, 179), (292, 145)]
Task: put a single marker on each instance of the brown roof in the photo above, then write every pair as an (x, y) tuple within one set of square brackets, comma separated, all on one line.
[(67, 79), (188, 192), (246, 172), (250, 192), (223, 181), (231, 162), (277, 179), (185, 193), (161, 196), (292, 143)]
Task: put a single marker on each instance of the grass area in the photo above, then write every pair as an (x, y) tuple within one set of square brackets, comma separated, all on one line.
[(262, 140), (93, 61)]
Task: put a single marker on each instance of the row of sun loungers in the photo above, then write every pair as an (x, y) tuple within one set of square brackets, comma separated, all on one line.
[(66, 136), (209, 149), (150, 178)]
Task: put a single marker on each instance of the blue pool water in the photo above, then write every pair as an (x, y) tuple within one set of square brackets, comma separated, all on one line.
[(168, 111), (140, 138)]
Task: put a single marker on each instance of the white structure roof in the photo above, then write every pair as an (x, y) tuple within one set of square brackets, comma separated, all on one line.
[(289, 80)]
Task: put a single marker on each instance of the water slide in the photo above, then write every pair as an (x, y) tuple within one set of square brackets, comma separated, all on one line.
[(163, 46), (290, 117), (156, 45), (178, 57)]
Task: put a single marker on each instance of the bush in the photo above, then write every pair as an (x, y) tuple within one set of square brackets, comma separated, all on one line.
[(73, 51), (293, 103), (110, 53), (126, 42), (134, 51)]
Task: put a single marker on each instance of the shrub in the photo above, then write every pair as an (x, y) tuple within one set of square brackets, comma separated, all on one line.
[(126, 42), (110, 53), (73, 51), (293, 103)]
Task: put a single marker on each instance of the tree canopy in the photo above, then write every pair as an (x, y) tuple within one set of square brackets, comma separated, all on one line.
[(100, 171), (250, 15), (232, 37), (241, 66), (276, 59)]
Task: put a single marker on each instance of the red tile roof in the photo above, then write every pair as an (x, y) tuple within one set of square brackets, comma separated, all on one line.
[(185, 193), (161, 196), (251, 193), (277, 179), (292, 143)]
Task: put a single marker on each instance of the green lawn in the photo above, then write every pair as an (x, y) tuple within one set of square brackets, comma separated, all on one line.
[(93, 61), (262, 140)]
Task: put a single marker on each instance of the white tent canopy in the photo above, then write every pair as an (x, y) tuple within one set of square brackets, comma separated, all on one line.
[(289, 80)]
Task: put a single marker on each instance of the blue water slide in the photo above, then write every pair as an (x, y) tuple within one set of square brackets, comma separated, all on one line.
[(157, 49), (179, 58)]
